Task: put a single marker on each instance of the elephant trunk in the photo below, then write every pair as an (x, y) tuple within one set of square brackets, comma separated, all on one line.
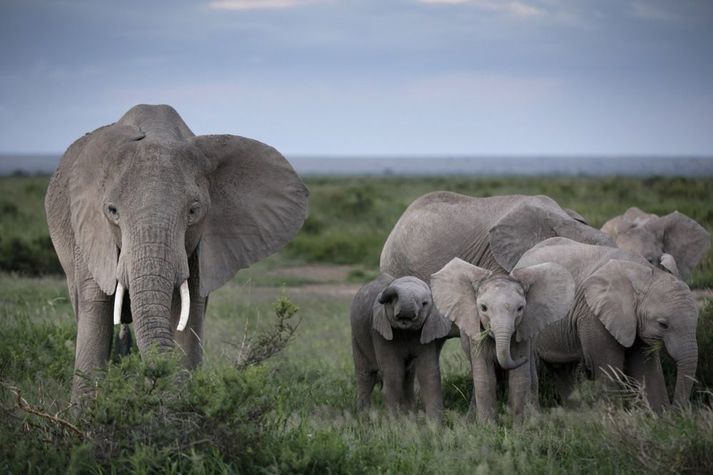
[(503, 337), (685, 373), (155, 269)]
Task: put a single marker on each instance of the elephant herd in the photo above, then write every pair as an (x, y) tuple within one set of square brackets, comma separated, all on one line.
[(528, 283), (147, 219)]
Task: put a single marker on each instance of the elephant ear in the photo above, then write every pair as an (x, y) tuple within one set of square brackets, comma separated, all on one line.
[(530, 223), (683, 238), (436, 326), (576, 216), (611, 293), (453, 289), (383, 310), (90, 160), (258, 203), (549, 291)]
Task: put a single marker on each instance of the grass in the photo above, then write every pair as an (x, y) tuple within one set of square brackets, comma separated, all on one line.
[(294, 412), (350, 217)]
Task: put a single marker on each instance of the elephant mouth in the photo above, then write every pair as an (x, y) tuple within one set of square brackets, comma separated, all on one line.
[(185, 304)]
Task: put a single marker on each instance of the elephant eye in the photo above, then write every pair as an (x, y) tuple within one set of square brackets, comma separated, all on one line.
[(663, 324), (424, 303), (112, 212), (194, 210), (519, 309), (483, 307)]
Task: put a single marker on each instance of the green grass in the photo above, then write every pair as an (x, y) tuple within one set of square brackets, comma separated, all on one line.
[(295, 413), (350, 217)]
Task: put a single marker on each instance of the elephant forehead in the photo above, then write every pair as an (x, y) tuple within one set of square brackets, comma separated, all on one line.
[(668, 296), (412, 286), (640, 239), (503, 289)]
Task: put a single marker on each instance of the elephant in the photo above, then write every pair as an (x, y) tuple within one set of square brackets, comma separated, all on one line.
[(397, 336), (624, 310), (488, 232), (498, 315), (673, 242), (147, 219)]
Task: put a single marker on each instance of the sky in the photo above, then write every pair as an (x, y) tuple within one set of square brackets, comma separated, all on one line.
[(368, 77)]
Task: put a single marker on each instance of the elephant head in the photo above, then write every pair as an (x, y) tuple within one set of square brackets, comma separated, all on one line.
[(407, 304), (519, 304), (673, 242), (637, 300), (147, 197)]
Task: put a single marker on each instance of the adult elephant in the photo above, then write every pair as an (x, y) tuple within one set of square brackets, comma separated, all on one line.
[(624, 310), (673, 242), (146, 206), (487, 232)]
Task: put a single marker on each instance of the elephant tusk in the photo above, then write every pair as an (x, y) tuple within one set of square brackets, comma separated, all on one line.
[(185, 306), (118, 302)]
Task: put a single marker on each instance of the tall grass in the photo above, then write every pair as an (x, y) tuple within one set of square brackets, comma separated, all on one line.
[(295, 412)]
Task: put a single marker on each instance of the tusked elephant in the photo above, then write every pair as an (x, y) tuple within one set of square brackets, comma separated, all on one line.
[(498, 315), (488, 232), (397, 336), (673, 242), (147, 219), (624, 309)]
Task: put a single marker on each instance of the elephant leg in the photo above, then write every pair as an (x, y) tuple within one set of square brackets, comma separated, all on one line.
[(603, 355), (484, 382), (519, 383), (646, 369), (564, 379), (190, 340), (428, 373), (366, 380), (94, 334), (409, 390)]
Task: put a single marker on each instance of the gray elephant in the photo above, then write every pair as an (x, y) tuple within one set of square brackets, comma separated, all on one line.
[(488, 232), (624, 309), (673, 242), (498, 315), (397, 336), (145, 206)]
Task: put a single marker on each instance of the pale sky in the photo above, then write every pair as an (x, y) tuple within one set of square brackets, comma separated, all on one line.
[(368, 77)]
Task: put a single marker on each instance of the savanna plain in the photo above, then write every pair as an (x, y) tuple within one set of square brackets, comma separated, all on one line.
[(276, 391)]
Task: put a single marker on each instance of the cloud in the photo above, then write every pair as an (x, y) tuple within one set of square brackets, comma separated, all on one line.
[(648, 11), (514, 8), (259, 4)]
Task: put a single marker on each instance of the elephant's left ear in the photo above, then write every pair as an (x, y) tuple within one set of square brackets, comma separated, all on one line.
[(549, 291), (258, 203), (683, 238), (436, 326)]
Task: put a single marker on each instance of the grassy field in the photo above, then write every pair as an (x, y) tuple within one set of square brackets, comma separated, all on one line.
[(294, 413)]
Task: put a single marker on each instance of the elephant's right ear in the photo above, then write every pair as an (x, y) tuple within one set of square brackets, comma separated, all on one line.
[(382, 310), (683, 238), (530, 223), (453, 289), (258, 203), (89, 159), (611, 293)]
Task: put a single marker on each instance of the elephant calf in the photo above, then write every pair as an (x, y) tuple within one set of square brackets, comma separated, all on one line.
[(674, 242), (625, 310), (498, 315), (397, 335)]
